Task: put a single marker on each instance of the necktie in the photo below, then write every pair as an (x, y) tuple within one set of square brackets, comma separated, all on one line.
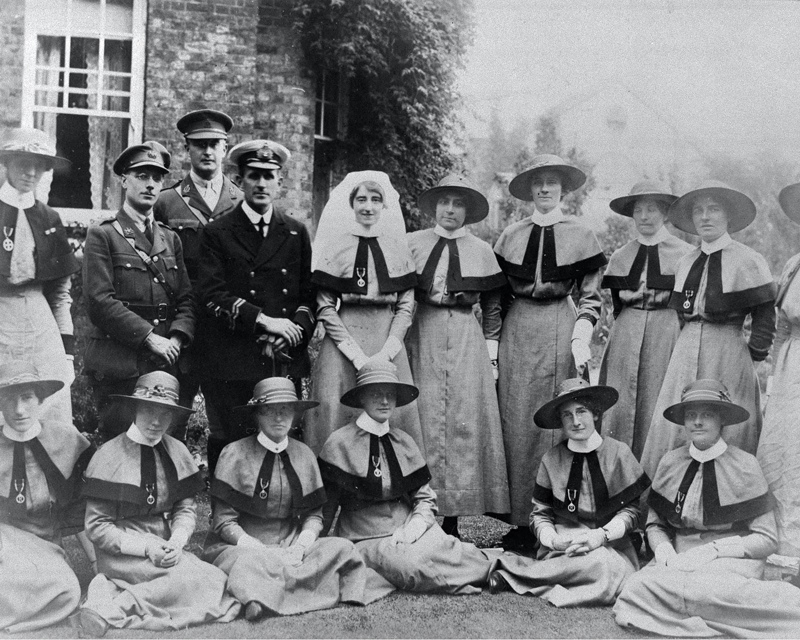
[(23, 264), (262, 227), (148, 230)]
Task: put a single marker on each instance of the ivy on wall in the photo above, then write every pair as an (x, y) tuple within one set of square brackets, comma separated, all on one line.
[(401, 59)]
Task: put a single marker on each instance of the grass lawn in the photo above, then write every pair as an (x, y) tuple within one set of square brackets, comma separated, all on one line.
[(401, 615)]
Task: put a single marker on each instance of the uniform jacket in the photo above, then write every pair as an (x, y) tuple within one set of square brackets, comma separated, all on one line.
[(240, 276), (173, 209), (114, 278)]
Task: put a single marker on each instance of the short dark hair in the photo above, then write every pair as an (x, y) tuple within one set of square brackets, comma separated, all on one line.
[(370, 186)]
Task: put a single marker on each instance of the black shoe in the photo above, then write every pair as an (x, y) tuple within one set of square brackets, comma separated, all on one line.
[(450, 526), (519, 539), (253, 611), (91, 624), (497, 582)]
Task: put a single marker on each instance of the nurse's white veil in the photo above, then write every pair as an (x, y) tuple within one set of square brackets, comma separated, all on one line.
[(338, 220)]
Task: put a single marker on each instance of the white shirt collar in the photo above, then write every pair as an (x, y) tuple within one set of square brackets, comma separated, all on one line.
[(269, 445), (254, 215), (14, 198), (371, 426), (720, 243), (137, 217), (585, 446), (215, 183), (659, 236), (134, 434), (450, 235), (714, 451), (548, 219), (16, 436), (366, 232)]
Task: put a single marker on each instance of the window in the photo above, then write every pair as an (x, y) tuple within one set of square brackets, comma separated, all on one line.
[(84, 80), (327, 123)]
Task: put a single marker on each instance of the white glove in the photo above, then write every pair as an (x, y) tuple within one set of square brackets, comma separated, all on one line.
[(493, 347), (179, 538), (353, 353), (581, 339), (305, 539), (294, 554), (547, 537), (664, 553)]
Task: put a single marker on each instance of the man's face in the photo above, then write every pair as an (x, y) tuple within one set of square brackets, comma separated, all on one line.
[(206, 156), (142, 186), (260, 187)]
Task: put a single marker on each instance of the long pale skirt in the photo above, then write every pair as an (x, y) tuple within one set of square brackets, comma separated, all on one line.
[(28, 331), (332, 572), (436, 563), (723, 597), (594, 579), (706, 350), (37, 586), (535, 356), (635, 364), (779, 446), (459, 411), (334, 374), (130, 592)]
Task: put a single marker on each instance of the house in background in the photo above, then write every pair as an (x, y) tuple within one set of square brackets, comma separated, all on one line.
[(99, 75)]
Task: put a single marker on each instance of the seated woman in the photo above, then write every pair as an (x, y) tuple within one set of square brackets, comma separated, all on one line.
[(711, 526), (267, 499), (379, 478), (140, 514), (585, 502), (40, 464)]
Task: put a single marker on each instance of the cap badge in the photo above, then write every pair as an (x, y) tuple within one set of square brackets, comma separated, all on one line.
[(206, 124), (151, 155), (187, 188), (266, 154)]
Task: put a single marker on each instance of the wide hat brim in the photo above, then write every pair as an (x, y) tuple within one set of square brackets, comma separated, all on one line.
[(405, 393), (477, 207), (54, 162), (45, 388), (601, 397), (789, 199), (729, 412), (572, 179), (177, 408), (299, 405), (624, 204), (740, 209)]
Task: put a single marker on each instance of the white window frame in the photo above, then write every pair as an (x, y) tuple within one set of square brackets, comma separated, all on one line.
[(337, 101), (136, 104)]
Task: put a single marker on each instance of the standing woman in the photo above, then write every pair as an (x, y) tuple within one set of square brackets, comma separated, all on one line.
[(641, 275), (40, 467), (36, 262), (779, 445), (545, 339), (365, 274), (717, 285), (451, 354)]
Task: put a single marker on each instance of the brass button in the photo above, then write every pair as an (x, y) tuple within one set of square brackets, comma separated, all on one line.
[(155, 279), (285, 291), (252, 292), (155, 322), (252, 274), (283, 310), (283, 271), (128, 264), (155, 258), (180, 226)]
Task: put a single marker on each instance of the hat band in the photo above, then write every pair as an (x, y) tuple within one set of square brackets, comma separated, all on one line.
[(375, 377), (29, 147), (21, 378), (274, 397), (158, 391), (704, 394)]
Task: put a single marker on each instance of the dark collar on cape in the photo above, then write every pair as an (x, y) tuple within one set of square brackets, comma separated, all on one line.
[(54, 256), (617, 480), (734, 488), (350, 459), (627, 263), (125, 471), (244, 471), (358, 279), (492, 277)]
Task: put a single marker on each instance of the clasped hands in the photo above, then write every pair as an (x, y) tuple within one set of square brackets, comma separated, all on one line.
[(168, 349), (580, 543), (163, 553), (282, 333)]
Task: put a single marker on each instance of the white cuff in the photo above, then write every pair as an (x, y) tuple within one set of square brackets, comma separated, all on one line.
[(546, 536), (615, 529), (492, 346), (392, 347), (306, 538), (415, 527), (180, 537), (352, 352), (583, 330), (131, 544)]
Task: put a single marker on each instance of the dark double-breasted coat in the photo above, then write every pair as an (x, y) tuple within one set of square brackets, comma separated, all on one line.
[(242, 275), (125, 302), (178, 208)]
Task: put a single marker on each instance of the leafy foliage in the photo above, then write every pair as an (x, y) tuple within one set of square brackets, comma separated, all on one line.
[(400, 57)]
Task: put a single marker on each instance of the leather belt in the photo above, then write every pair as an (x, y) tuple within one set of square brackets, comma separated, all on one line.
[(162, 312)]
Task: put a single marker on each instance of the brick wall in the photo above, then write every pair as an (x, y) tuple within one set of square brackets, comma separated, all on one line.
[(12, 28), (239, 56)]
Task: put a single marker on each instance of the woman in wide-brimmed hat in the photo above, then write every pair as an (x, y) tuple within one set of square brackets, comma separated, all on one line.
[(41, 462), (140, 514), (711, 527), (545, 257), (779, 444), (267, 498), (379, 478), (452, 354), (585, 503), (640, 275), (36, 262), (365, 274), (717, 286)]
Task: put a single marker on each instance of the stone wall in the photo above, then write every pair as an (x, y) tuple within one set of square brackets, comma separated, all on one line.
[(12, 31)]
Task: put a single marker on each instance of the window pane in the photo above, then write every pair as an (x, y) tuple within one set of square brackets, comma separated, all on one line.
[(320, 85), (50, 51), (331, 86), (82, 80), (84, 53), (118, 55), (49, 99), (117, 83), (116, 103), (47, 78), (50, 14), (331, 124), (318, 119), (85, 15), (119, 16)]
